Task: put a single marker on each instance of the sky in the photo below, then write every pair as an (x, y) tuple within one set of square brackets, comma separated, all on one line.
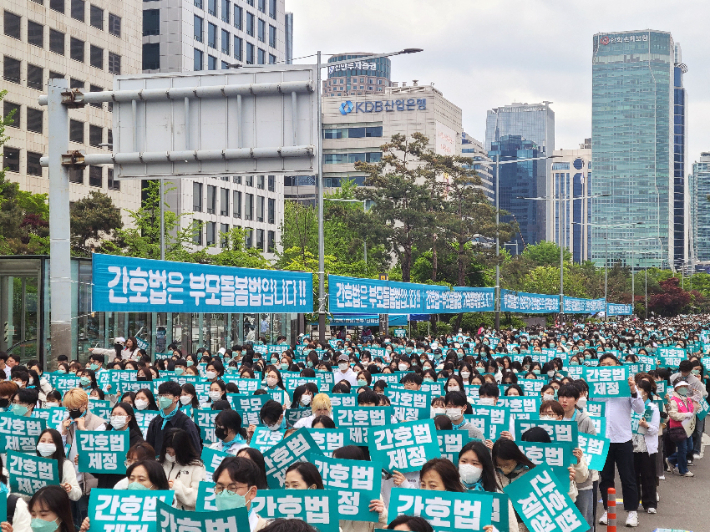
[(487, 53)]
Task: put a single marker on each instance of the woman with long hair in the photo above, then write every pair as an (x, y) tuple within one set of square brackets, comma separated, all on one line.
[(50, 445), (183, 467)]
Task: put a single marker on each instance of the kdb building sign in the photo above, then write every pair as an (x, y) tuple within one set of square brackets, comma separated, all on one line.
[(354, 65), (411, 104), (614, 39)]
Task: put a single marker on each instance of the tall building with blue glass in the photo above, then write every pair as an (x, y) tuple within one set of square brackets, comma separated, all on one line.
[(700, 210), (633, 102), (681, 203), (520, 181)]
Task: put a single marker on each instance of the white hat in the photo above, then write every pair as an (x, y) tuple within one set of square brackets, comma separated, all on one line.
[(222, 350), (119, 340), (680, 383)]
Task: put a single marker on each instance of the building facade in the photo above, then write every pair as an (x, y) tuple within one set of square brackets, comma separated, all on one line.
[(681, 201), (700, 210), (571, 175), (633, 149), (519, 182), (86, 43), (357, 77), (480, 162), (536, 123)]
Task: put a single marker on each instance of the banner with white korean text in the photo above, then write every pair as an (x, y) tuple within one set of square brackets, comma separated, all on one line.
[(528, 303), (128, 284), (29, 473), (576, 305), (171, 519), (113, 510), (618, 309)]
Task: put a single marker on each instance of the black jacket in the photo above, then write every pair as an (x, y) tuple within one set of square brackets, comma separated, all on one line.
[(155, 432), (107, 480)]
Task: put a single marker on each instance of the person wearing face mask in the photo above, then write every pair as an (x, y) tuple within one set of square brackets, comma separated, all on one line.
[(320, 406), (49, 445), (488, 394), (52, 400), (188, 399), (236, 481), (229, 432), (214, 370), (275, 385), (145, 400), (76, 401), (303, 395), (7, 391), (645, 441), (23, 402), (49, 511), (698, 390), (272, 416), (217, 392), (456, 405), (122, 418), (344, 373), (438, 407), (681, 411), (183, 467)]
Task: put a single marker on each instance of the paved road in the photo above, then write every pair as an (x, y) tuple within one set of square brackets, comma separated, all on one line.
[(684, 503)]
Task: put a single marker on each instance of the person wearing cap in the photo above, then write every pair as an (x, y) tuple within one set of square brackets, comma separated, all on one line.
[(344, 373), (681, 411), (112, 353)]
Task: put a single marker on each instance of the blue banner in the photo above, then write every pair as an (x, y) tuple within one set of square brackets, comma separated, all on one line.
[(618, 309), (350, 295), (364, 320), (575, 305), (528, 303), (475, 299), (127, 284)]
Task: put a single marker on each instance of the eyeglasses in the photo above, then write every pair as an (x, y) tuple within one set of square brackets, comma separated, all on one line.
[(234, 488)]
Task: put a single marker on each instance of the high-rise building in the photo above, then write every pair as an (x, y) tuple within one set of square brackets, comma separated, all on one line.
[(86, 44), (192, 35), (633, 144), (536, 123), (480, 162), (357, 77), (519, 182), (571, 174), (681, 207), (700, 211)]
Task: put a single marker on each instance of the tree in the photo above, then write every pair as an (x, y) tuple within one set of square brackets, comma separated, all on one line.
[(95, 218), (546, 254), (672, 300)]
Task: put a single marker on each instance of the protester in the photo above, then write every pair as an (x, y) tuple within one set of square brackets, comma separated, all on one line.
[(230, 433), (183, 467), (171, 417), (236, 486), (50, 446)]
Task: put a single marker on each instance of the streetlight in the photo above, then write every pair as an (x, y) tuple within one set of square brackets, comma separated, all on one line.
[(319, 179), (364, 208)]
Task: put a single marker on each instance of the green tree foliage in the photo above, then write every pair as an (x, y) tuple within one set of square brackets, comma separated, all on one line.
[(545, 254), (93, 218)]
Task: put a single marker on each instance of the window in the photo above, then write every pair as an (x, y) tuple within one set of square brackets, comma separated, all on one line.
[(226, 41), (35, 76), (260, 239), (237, 204), (199, 31), (211, 227), (151, 22), (76, 49), (270, 242), (114, 24), (224, 201), (34, 120), (249, 181), (96, 57), (76, 175), (224, 65), (272, 180), (211, 35), (262, 31), (262, 57), (112, 184), (237, 179), (262, 6), (211, 199), (96, 136), (238, 47), (226, 10), (224, 236), (250, 54), (11, 69), (35, 34), (198, 3), (248, 232), (272, 36), (33, 166), (56, 41), (76, 84), (211, 62), (349, 158), (260, 181), (78, 9), (197, 237), (55, 75), (259, 208), (212, 7), (197, 197), (199, 60), (272, 9), (151, 56), (238, 16), (13, 108), (109, 140), (250, 24), (272, 59), (114, 63), (96, 19), (96, 177), (94, 88), (271, 211), (57, 5), (76, 131), (11, 159), (11, 22), (249, 207)]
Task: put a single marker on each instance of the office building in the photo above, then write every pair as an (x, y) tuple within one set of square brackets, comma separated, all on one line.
[(571, 174), (519, 183), (86, 44), (633, 145), (681, 205), (700, 211), (357, 77), (480, 162), (536, 123)]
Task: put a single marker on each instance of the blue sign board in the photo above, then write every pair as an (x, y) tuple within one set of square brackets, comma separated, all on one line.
[(352, 320), (350, 295), (575, 305), (475, 299), (409, 104), (618, 309), (127, 284), (528, 303)]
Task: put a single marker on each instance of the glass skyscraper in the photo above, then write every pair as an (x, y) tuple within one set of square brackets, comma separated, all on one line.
[(633, 144), (700, 210), (681, 204)]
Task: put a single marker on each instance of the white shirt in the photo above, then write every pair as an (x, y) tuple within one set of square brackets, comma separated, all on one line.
[(618, 416), (349, 376)]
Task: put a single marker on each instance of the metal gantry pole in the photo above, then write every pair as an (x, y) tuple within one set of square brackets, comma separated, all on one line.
[(646, 294), (319, 182), (59, 229), (162, 220), (497, 313)]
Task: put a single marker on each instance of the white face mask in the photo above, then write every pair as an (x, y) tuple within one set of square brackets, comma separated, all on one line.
[(551, 373), (271, 381), (169, 458), (454, 389), (186, 399), (453, 413), (141, 404), (343, 366), (210, 375), (215, 396), (306, 400), (118, 422), (402, 367), (582, 402), (546, 418), (465, 374), (437, 412), (470, 473), (548, 397), (46, 449), (486, 401), (52, 405)]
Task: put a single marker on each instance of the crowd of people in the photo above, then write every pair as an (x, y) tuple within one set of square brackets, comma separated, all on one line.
[(654, 431)]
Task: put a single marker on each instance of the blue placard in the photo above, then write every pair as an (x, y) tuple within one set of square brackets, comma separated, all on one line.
[(575, 305), (475, 299), (528, 303), (618, 309), (128, 284)]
